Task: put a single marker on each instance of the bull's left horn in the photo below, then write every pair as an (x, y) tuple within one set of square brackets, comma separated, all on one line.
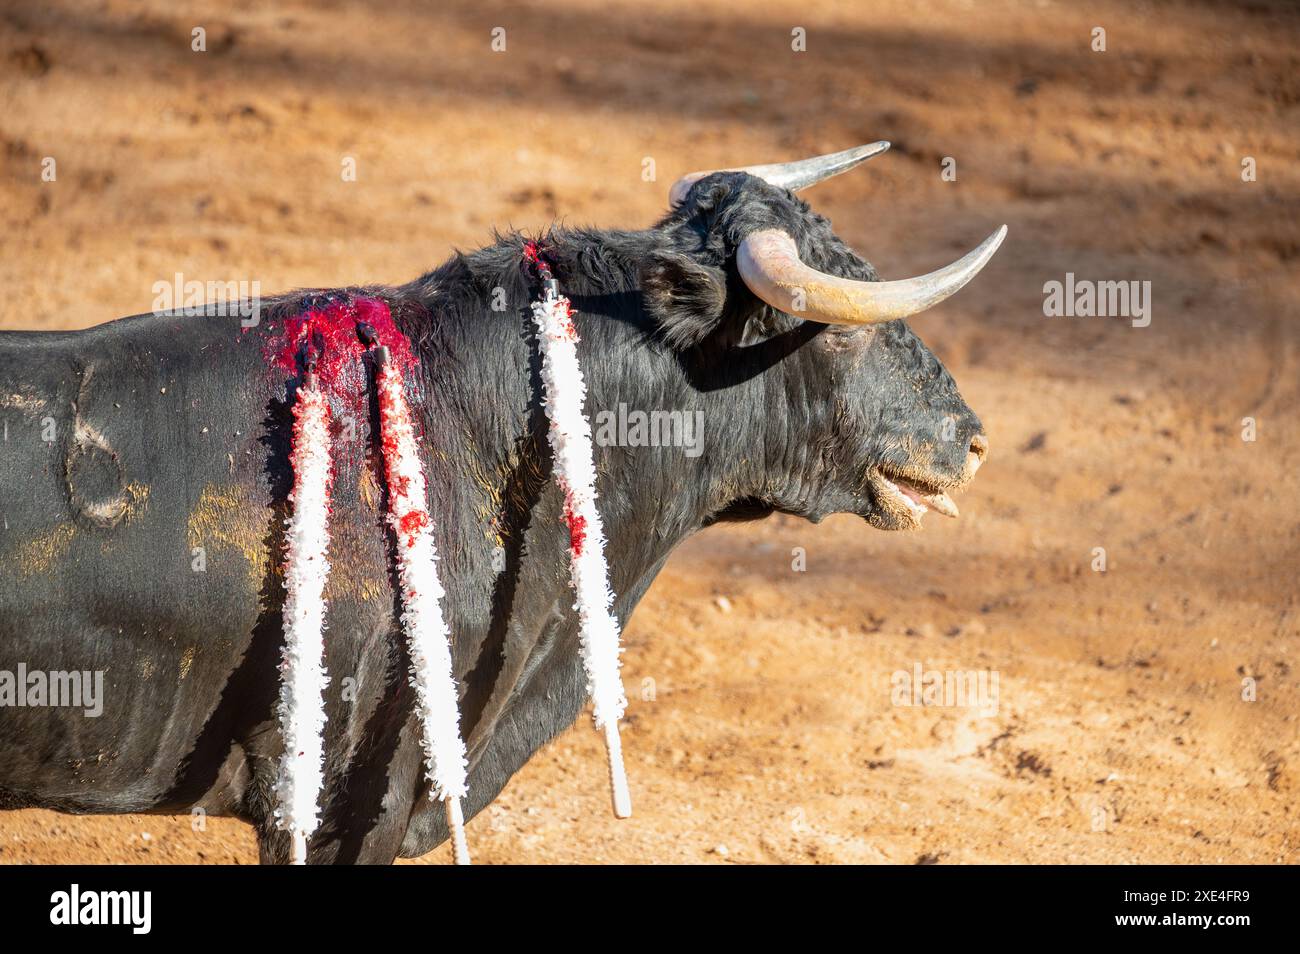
[(770, 266), (789, 175)]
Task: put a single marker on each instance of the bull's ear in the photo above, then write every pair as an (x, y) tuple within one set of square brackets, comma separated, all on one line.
[(685, 298)]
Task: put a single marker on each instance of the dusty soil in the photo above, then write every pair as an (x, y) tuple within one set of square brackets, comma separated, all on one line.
[(762, 728)]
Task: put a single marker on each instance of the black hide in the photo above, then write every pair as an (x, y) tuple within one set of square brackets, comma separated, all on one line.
[(129, 445)]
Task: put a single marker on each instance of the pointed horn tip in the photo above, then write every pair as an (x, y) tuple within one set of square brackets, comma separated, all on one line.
[(993, 242), (859, 154), (973, 262)]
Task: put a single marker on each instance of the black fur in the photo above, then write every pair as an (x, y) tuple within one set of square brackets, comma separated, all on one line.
[(795, 416)]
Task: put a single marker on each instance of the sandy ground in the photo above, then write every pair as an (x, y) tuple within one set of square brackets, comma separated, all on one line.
[(762, 728)]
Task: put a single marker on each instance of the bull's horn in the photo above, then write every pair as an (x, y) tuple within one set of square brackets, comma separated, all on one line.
[(769, 264), (789, 175)]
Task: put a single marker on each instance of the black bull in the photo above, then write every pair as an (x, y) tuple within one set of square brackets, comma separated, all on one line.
[(144, 476)]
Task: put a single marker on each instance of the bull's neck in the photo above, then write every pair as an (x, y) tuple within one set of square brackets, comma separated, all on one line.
[(680, 437)]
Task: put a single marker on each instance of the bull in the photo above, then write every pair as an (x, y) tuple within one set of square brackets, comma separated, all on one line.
[(144, 479)]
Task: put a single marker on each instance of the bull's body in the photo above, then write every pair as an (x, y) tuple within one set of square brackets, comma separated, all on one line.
[(144, 479), (170, 435)]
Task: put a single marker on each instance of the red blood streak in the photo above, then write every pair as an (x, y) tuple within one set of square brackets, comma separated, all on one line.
[(395, 419), (302, 408), (566, 323), (412, 523), (577, 530)]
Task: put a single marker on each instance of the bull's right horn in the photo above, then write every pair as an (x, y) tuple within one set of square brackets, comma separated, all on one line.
[(769, 264)]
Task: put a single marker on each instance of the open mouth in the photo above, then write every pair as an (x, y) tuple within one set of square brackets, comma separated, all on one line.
[(916, 497)]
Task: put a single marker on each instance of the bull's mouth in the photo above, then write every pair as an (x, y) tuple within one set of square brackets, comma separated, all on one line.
[(908, 499)]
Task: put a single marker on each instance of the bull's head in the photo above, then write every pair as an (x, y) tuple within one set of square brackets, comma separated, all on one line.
[(747, 268)]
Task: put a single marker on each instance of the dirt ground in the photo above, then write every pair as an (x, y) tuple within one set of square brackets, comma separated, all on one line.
[(762, 728)]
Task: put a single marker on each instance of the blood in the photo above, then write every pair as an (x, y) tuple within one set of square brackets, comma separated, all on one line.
[(396, 418), (328, 333), (398, 485), (566, 324), (533, 256), (577, 530), (412, 523), (307, 402)]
